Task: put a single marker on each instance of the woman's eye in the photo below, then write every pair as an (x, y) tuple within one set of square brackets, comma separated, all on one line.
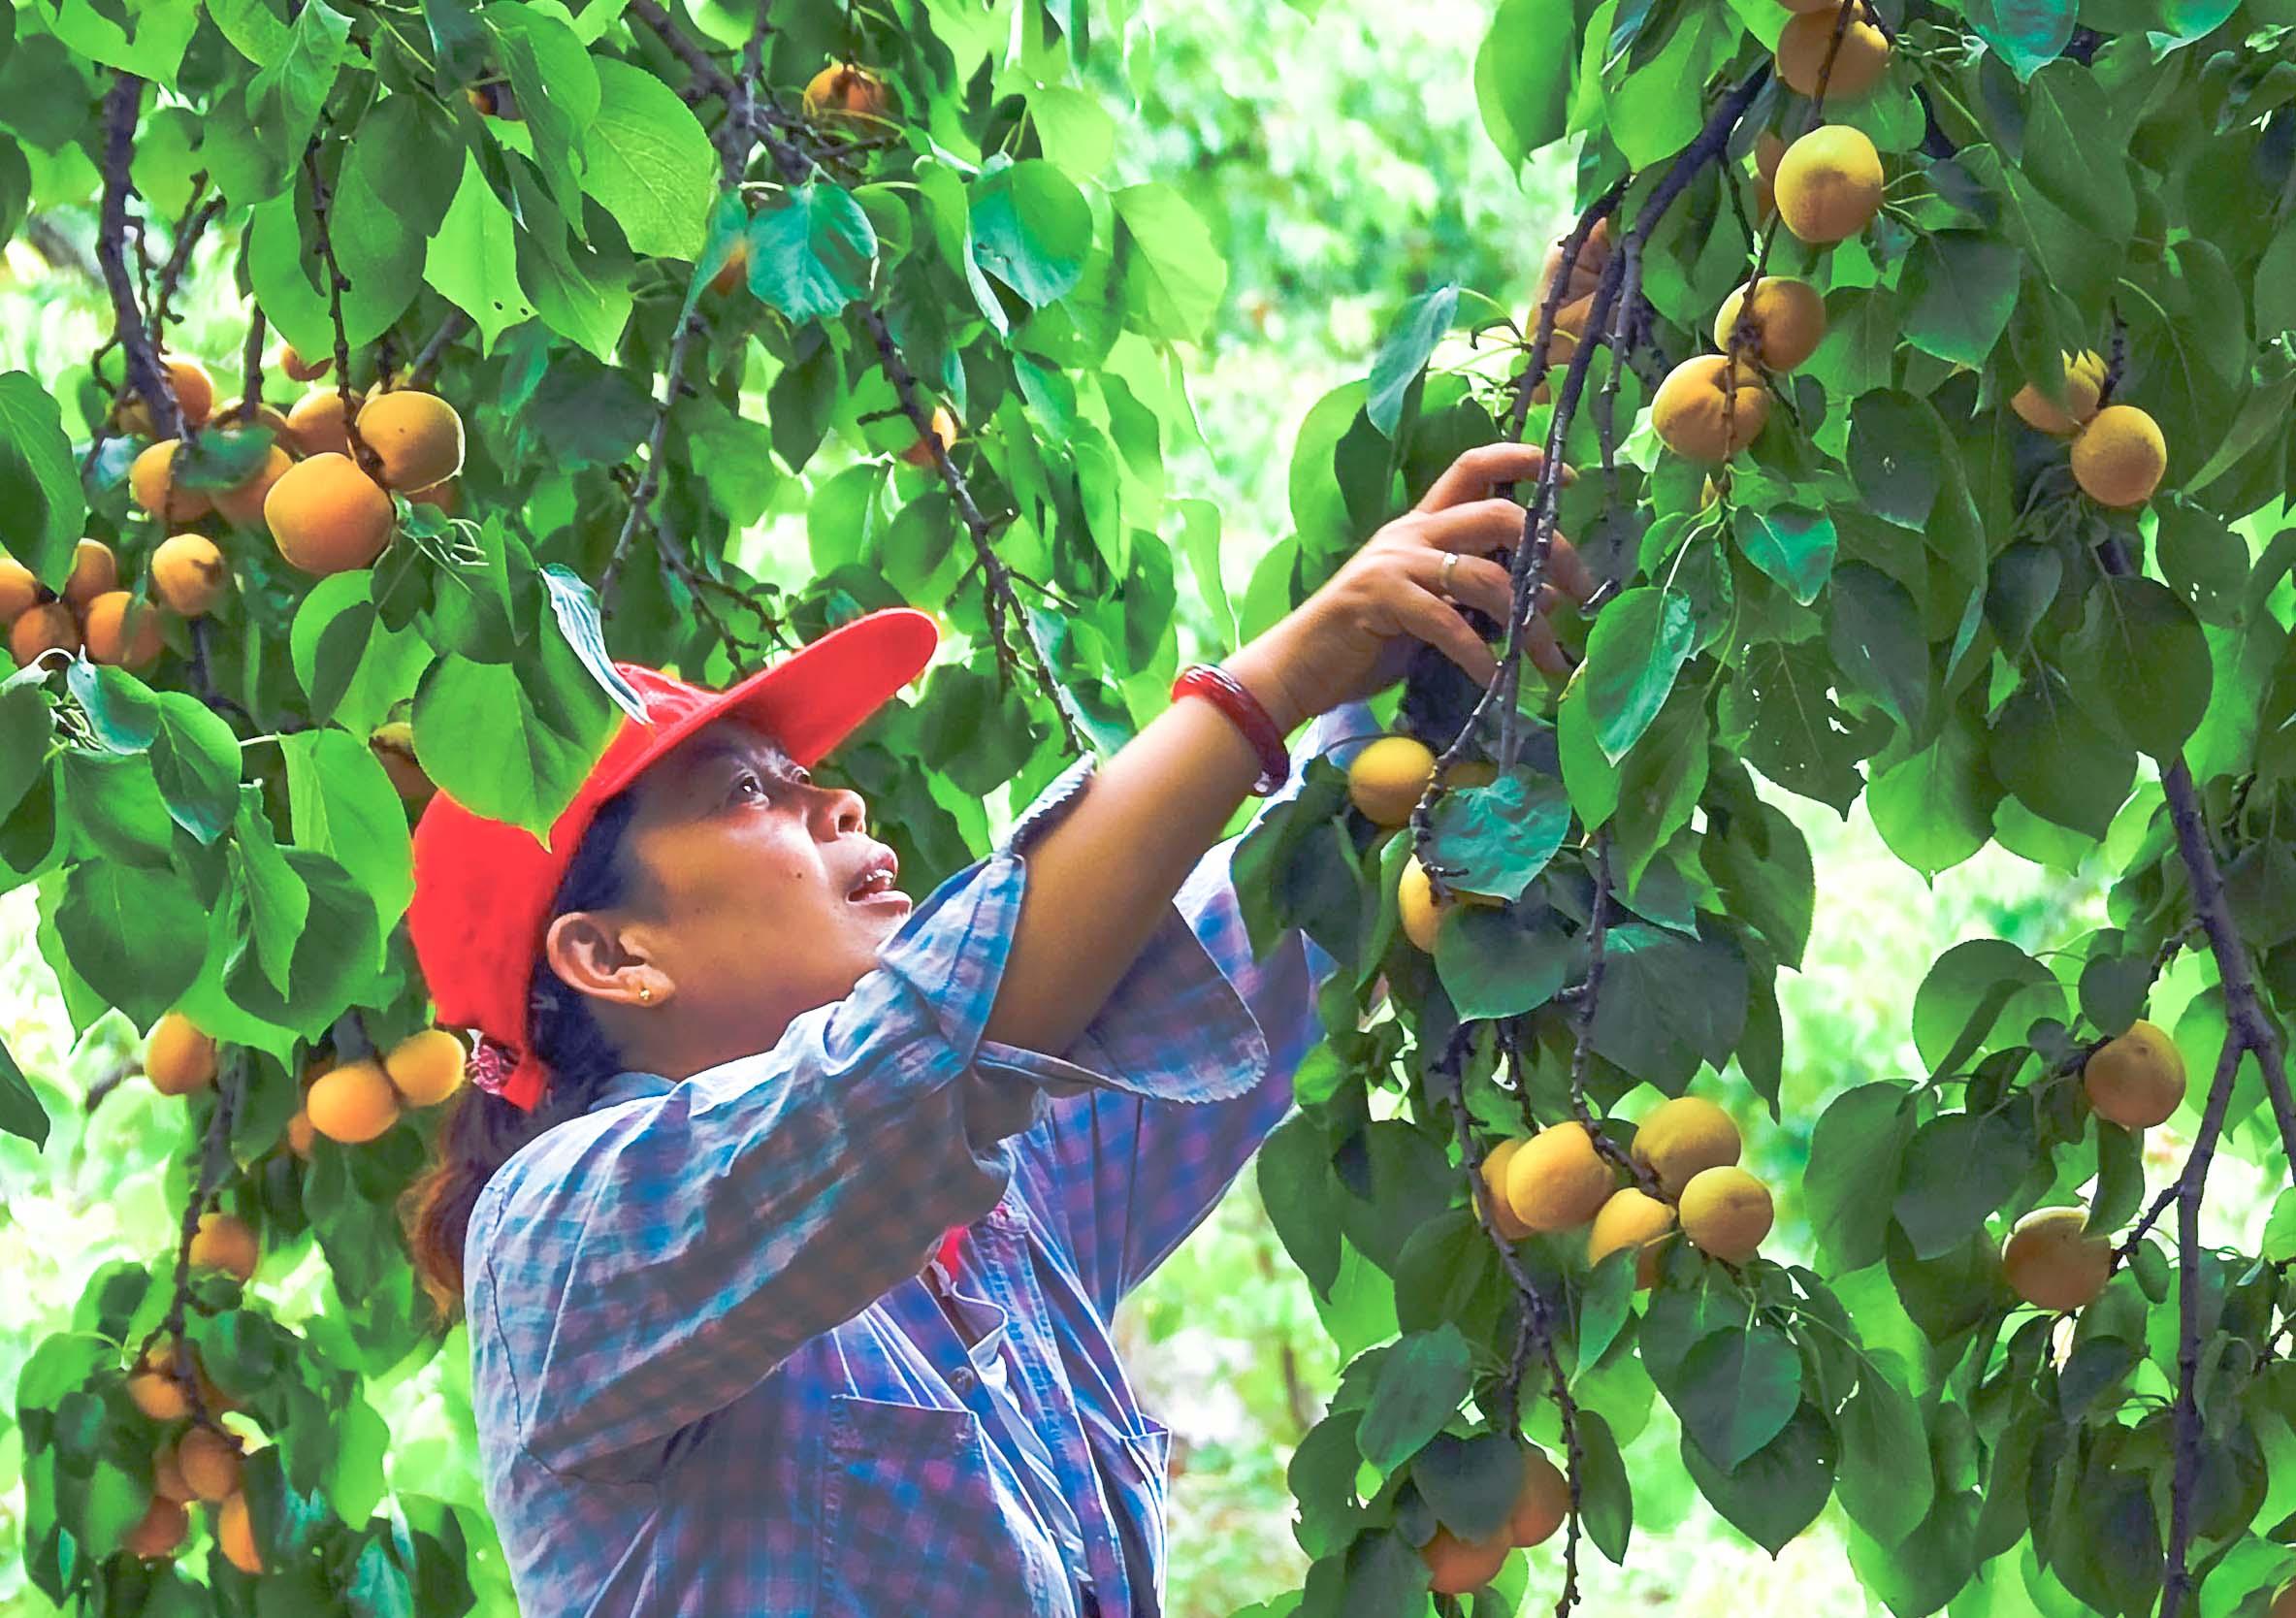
[(749, 782)]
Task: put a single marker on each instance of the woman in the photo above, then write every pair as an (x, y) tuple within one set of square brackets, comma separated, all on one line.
[(788, 1217)]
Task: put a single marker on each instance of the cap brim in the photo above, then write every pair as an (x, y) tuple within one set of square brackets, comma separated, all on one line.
[(819, 695)]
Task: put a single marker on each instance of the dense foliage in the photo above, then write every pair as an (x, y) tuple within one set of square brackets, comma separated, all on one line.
[(1966, 514)]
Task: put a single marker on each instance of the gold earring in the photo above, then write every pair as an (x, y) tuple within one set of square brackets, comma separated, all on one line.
[(646, 993)]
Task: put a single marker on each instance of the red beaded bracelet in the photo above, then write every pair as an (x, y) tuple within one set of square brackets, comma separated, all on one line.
[(1224, 692)]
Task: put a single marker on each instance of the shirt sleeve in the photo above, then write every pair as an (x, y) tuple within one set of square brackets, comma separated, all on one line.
[(645, 1265), (1130, 1175)]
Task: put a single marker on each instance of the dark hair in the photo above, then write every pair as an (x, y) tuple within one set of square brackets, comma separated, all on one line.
[(482, 1131)]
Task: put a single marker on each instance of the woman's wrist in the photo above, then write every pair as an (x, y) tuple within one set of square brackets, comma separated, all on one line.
[(1259, 668)]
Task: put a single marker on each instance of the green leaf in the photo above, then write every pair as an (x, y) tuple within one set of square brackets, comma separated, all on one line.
[(1760, 862), (1500, 837), (124, 928), (1792, 545), (1421, 1383), (343, 804), (286, 96), (574, 605), (1959, 287), (2059, 762), (1031, 229), (1779, 1489), (1172, 274), (38, 479), (1638, 645), (2279, 1230), (473, 260), (1896, 455), (1736, 1390), (1981, 994), (20, 1112), (1794, 731), (1493, 964), (1471, 1482), (2139, 664), (1403, 355), (555, 81), (1876, 639), (1957, 1170), (278, 900), (539, 758), (1521, 77), (195, 762), (2071, 153), (812, 254), (1293, 1168), (2025, 33), (1886, 1480), (648, 161), (1606, 1496), (1856, 1155)]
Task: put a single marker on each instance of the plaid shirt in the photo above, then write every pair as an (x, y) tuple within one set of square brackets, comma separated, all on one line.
[(709, 1377)]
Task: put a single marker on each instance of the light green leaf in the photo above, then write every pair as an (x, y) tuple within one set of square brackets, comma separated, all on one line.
[(343, 804), (1031, 229), (1792, 545), (1501, 836), (648, 161), (474, 260), (1638, 645), (1173, 276), (123, 929), (1523, 75), (812, 254)]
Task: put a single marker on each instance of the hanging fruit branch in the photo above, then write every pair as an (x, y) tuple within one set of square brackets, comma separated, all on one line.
[(214, 1164), (322, 209)]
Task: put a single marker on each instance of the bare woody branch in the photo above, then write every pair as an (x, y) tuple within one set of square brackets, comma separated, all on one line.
[(146, 377)]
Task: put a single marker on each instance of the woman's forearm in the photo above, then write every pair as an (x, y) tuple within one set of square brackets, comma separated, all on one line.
[(1101, 880)]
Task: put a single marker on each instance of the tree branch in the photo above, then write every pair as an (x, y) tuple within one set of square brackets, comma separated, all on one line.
[(146, 375), (322, 208), (996, 580), (197, 217), (651, 477), (214, 1162), (427, 359)]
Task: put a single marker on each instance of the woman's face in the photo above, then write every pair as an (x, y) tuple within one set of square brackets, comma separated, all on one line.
[(753, 895)]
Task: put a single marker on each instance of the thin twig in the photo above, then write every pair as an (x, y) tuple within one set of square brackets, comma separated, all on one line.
[(198, 214), (322, 208), (214, 1161), (651, 477), (2185, 1480), (251, 370), (427, 359)]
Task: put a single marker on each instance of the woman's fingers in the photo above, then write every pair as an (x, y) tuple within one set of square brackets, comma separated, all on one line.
[(1475, 580), (1567, 569), (1471, 475), (1545, 651), (1441, 626), (1479, 526)]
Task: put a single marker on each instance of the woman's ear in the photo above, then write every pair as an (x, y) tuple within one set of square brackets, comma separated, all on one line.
[(594, 957)]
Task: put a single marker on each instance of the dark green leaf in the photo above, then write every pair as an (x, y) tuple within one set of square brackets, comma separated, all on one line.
[(1494, 964), (1792, 545), (1886, 1481), (2139, 664), (1403, 355), (1736, 1390), (2070, 153), (1855, 1157), (1896, 455), (38, 479), (123, 927), (1637, 647), (813, 253), (1421, 1385), (1960, 286), (1978, 996), (2058, 762), (1779, 1489), (1471, 1482), (20, 1112), (1293, 1168), (1876, 638)]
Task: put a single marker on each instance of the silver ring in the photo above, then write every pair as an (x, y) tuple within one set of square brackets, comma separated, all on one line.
[(1442, 578)]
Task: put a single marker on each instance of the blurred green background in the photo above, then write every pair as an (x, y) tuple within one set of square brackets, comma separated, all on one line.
[(1336, 154)]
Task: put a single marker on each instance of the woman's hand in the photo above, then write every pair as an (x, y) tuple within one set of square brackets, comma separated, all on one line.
[(1355, 637)]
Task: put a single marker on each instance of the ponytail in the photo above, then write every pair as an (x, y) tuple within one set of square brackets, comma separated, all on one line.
[(482, 1131)]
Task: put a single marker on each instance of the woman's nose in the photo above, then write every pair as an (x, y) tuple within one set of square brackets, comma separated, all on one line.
[(844, 811)]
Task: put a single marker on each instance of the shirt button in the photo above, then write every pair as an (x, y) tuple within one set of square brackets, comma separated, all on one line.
[(962, 1381)]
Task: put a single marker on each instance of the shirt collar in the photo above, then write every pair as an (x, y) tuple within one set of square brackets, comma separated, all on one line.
[(629, 1087)]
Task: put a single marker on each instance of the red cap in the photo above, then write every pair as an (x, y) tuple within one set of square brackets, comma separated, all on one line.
[(483, 888)]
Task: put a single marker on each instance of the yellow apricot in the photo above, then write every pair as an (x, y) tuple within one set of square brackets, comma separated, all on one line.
[(1541, 1503), (151, 481), (2085, 380), (353, 1102), (1830, 184), (1858, 66), (95, 571), (1789, 321), (1503, 1212), (426, 1068), (1415, 907), (2136, 1081), (161, 1531), (47, 628), (844, 91), (209, 1462), (1455, 1566), (195, 397), (299, 369), (301, 1134), (1683, 1136), (315, 422), (327, 516), (1694, 414), (243, 503), (2050, 1261), (1387, 778), (167, 1476), (1557, 1179), (177, 1057), (1630, 1219), (120, 631), (19, 590), (227, 1243), (188, 574), (1726, 1212), (2119, 456), (158, 1395), (234, 1534), (418, 437), (921, 453)]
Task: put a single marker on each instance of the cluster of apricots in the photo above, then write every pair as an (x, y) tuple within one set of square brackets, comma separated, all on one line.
[(1689, 1147), (309, 492), (192, 1463), (1385, 781), (93, 614), (350, 1102), (1543, 1500), (2119, 452), (2051, 1259)]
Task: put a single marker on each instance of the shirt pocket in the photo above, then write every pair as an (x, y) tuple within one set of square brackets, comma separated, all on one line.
[(914, 1520), (1138, 1471)]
